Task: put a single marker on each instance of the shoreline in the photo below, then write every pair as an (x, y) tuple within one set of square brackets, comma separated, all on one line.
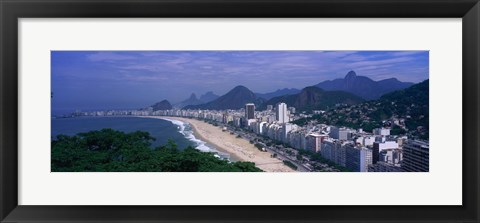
[(238, 148), (233, 157)]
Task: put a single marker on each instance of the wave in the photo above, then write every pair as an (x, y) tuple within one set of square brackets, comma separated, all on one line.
[(186, 130)]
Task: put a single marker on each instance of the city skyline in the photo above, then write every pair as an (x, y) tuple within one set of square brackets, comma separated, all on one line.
[(134, 79)]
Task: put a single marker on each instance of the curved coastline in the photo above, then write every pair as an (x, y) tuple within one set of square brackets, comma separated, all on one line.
[(239, 149), (203, 144)]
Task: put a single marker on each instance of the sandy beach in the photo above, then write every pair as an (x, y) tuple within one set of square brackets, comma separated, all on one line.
[(239, 148)]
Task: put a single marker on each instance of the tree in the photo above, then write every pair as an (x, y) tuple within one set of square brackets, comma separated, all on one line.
[(108, 150)]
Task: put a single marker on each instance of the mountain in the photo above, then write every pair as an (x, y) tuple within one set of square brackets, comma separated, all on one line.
[(406, 111), (392, 83), (411, 104), (192, 100), (277, 93), (208, 97), (234, 99), (313, 98), (363, 86), (163, 105)]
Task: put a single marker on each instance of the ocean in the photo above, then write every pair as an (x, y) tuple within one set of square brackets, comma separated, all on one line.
[(161, 129)]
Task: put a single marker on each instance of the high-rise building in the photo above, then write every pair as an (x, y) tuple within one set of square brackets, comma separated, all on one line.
[(314, 142), (281, 113), (333, 150), (250, 111), (415, 156), (340, 133), (225, 118), (286, 128), (379, 146), (269, 107), (357, 158)]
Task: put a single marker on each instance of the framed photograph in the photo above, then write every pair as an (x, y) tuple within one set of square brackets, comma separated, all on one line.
[(228, 111)]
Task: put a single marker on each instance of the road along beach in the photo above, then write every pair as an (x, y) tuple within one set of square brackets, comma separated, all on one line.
[(240, 149)]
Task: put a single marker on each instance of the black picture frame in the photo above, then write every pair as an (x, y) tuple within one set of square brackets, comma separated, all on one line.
[(12, 10)]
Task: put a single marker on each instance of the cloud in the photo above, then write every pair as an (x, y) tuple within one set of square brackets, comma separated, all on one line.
[(109, 56), (218, 71), (406, 53), (390, 61)]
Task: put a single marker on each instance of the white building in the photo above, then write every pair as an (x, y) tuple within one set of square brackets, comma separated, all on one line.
[(314, 142), (381, 131), (340, 133), (378, 147), (387, 145), (261, 127), (282, 113), (391, 156)]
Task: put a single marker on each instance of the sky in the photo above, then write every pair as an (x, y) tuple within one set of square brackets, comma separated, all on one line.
[(89, 80)]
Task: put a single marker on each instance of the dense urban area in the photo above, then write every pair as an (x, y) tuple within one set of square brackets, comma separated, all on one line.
[(311, 146), (314, 130)]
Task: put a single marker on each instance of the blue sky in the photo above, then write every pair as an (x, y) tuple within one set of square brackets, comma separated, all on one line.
[(134, 79)]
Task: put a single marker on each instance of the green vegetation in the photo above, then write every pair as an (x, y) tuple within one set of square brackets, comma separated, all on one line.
[(396, 130), (313, 98), (259, 146), (290, 164), (108, 150), (299, 157), (279, 143), (289, 152), (409, 107)]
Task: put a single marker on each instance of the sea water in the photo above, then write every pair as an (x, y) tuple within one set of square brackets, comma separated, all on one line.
[(161, 129)]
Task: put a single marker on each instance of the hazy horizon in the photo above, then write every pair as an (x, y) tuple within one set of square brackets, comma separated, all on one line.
[(135, 79)]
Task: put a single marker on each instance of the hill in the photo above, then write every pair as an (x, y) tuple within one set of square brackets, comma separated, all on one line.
[(404, 111), (192, 100), (163, 105), (277, 93), (234, 99), (313, 98), (208, 97), (363, 86)]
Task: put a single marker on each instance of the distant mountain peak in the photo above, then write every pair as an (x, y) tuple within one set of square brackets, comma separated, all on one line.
[(234, 99), (208, 96), (314, 98), (192, 100), (163, 105), (279, 92), (351, 75), (391, 79), (363, 86), (240, 87)]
